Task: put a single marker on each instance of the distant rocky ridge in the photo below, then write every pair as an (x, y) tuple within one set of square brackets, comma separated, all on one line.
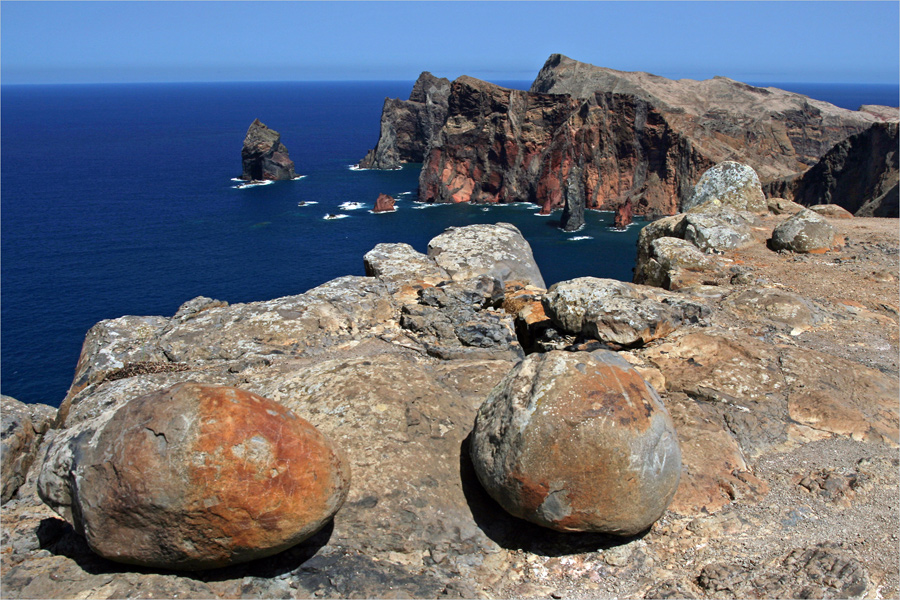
[(263, 156), (589, 137)]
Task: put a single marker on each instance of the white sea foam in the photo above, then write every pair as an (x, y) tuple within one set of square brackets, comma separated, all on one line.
[(331, 217), (307, 203), (236, 179), (298, 177), (420, 205), (581, 237), (537, 214), (356, 167), (350, 206), (381, 212), (405, 194), (251, 184)]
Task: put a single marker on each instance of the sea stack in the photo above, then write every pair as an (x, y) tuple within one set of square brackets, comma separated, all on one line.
[(384, 203), (624, 216), (264, 157)]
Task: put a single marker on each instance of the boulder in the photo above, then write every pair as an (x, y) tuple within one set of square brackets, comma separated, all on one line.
[(193, 477), (832, 211), (496, 250), (20, 434), (384, 203), (609, 311), (263, 156), (674, 264), (731, 184), (714, 233), (804, 232), (577, 441), (780, 206), (399, 264)]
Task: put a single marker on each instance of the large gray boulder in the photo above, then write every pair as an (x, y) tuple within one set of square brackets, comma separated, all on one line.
[(194, 477), (805, 232), (730, 184), (577, 441), (20, 434), (715, 232), (498, 250)]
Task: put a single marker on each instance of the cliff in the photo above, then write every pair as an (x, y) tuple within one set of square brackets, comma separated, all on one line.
[(263, 156), (859, 174), (408, 126), (590, 137)]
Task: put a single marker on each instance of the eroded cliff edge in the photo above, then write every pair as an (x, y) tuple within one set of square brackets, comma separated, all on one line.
[(586, 137)]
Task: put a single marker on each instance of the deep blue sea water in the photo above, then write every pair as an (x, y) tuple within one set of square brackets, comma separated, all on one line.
[(118, 199)]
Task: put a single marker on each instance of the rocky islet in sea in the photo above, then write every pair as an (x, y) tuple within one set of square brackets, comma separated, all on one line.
[(750, 355)]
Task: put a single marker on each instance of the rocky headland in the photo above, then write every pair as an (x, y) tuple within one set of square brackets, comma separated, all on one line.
[(587, 137), (263, 156), (774, 366)]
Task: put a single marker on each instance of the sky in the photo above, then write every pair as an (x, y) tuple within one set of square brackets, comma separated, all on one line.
[(113, 42)]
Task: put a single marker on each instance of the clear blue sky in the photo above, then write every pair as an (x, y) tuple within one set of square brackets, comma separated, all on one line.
[(73, 42)]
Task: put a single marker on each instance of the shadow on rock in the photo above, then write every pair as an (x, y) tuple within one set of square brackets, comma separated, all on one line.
[(512, 533), (59, 538)]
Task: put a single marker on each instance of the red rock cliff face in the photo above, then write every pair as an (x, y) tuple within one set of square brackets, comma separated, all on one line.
[(501, 145), (588, 137)]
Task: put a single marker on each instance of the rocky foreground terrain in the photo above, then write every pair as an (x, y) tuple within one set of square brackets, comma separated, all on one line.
[(779, 370)]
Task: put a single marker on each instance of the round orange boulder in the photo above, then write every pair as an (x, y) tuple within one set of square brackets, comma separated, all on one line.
[(577, 441), (195, 477)]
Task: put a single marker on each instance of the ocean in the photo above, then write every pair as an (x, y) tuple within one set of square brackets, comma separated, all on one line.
[(120, 200)]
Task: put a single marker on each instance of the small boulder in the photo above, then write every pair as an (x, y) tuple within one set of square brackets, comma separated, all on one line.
[(731, 184), (398, 264), (609, 311), (716, 233), (577, 441), (194, 477), (831, 211), (780, 206), (384, 203), (499, 251), (263, 156), (804, 232), (22, 427), (675, 264)]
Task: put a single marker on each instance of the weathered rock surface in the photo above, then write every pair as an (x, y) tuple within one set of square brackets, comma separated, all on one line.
[(263, 156), (20, 434), (497, 250), (730, 184), (804, 232), (788, 374), (613, 311), (194, 477), (859, 173), (409, 126), (674, 264), (577, 442), (384, 203), (780, 206)]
